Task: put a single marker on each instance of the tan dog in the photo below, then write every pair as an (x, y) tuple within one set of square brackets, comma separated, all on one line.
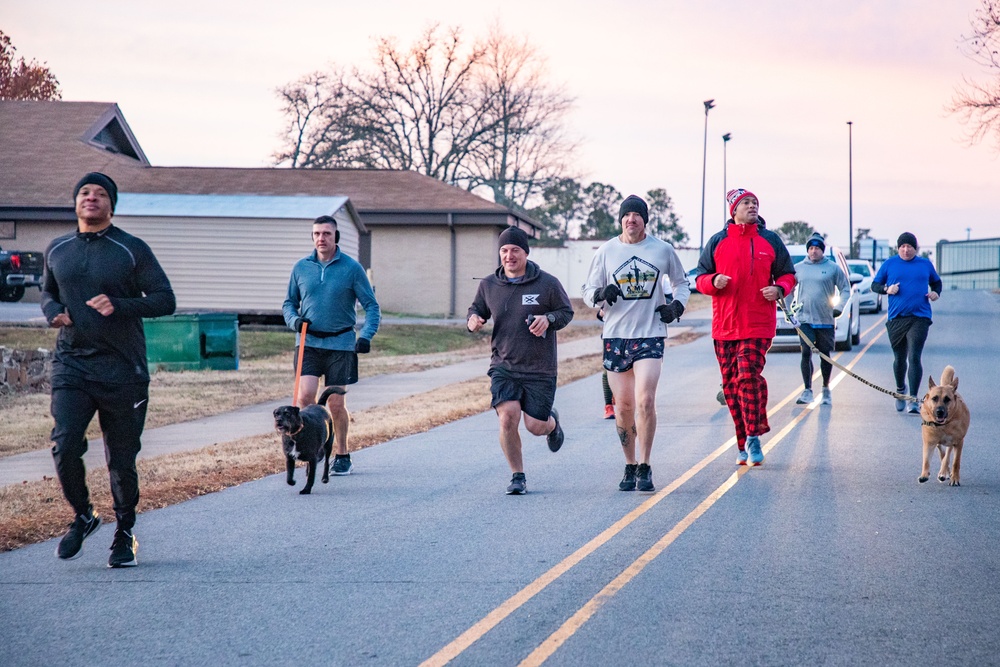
[(945, 421)]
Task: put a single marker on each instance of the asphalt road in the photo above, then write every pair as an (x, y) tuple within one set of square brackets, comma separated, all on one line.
[(831, 553)]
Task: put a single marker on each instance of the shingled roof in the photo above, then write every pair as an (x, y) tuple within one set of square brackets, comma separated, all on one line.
[(47, 146), (371, 190)]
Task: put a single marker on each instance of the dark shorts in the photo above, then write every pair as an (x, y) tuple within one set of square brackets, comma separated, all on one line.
[(822, 337), (535, 393), (337, 367), (621, 353)]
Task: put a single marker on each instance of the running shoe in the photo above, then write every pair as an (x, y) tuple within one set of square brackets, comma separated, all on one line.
[(518, 485), (756, 455), (123, 549), (628, 481), (71, 543), (644, 478)]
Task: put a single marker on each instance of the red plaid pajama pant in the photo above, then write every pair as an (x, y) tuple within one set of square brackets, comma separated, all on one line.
[(745, 389)]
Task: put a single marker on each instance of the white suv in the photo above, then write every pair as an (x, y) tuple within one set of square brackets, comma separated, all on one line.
[(870, 302), (847, 332)]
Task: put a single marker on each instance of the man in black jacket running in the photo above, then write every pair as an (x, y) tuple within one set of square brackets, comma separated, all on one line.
[(99, 283), (527, 306)]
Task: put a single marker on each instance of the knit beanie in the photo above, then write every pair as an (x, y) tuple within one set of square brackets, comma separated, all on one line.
[(734, 197), (514, 236), (633, 204), (97, 178), (908, 239), (816, 239)]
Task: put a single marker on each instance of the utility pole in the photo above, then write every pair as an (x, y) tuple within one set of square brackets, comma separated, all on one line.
[(709, 104)]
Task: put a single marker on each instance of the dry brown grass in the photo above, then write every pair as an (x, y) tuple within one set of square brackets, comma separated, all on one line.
[(35, 511)]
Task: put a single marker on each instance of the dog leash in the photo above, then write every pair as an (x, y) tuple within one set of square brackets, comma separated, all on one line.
[(298, 365), (794, 321)]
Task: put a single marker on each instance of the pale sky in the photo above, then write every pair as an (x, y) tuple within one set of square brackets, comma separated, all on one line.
[(196, 82)]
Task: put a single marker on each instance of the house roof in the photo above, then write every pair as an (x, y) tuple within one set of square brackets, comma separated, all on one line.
[(370, 190), (48, 146)]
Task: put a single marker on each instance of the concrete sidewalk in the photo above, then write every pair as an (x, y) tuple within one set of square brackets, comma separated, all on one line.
[(257, 420)]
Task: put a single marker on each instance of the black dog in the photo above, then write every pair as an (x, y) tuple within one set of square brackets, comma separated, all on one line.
[(306, 435)]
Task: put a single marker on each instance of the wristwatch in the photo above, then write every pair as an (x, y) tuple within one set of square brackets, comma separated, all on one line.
[(551, 318)]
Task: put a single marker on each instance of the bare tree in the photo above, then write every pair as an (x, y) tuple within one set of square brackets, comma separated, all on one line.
[(524, 145), (477, 116), (22, 80), (320, 111), (978, 102)]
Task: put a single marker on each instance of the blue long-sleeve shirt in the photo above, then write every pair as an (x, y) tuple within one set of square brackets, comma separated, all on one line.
[(915, 278), (326, 295)]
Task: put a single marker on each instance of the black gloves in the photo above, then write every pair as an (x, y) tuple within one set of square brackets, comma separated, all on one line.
[(363, 346), (837, 311), (670, 311), (299, 321), (609, 294)]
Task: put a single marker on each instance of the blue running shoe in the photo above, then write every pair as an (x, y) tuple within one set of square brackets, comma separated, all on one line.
[(900, 403), (741, 457), (753, 446)]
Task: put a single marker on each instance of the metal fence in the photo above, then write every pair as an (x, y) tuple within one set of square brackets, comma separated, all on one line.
[(969, 264)]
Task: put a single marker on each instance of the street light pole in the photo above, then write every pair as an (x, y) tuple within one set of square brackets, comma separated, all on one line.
[(704, 162), (850, 190), (725, 140)]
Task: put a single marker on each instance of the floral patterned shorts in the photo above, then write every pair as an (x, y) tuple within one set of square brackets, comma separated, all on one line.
[(621, 353)]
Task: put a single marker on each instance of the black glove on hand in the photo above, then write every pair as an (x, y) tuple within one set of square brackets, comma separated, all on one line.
[(609, 294), (299, 321), (363, 346), (837, 312), (670, 311)]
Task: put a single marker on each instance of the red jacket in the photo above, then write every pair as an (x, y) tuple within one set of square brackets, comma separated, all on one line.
[(753, 257)]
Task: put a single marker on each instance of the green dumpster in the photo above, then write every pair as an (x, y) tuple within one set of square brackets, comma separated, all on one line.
[(193, 341)]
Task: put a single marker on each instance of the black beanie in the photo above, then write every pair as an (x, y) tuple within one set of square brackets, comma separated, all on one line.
[(514, 236), (908, 239), (633, 204), (816, 239), (97, 178)]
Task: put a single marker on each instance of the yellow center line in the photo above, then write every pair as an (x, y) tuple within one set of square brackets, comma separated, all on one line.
[(453, 649), (577, 620)]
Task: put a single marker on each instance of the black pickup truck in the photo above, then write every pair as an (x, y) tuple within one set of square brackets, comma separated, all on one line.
[(19, 269)]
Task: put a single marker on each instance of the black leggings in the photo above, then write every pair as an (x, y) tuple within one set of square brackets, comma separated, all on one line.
[(907, 336), (608, 397), (823, 338)]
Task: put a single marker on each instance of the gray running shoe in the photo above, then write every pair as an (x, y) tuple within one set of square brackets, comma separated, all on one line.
[(805, 397), (900, 403), (913, 408), (518, 485), (827, 397)]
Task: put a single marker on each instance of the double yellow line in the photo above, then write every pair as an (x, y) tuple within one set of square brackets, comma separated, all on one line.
[(577, 620)]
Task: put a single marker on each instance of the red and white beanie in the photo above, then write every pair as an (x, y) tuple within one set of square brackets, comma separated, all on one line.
[(734, 197)]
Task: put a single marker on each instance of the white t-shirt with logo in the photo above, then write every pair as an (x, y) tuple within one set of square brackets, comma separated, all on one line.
[(640, 271)]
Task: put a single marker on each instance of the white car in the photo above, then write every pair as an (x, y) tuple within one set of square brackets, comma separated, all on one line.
[(847, 327), (870, 302)]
